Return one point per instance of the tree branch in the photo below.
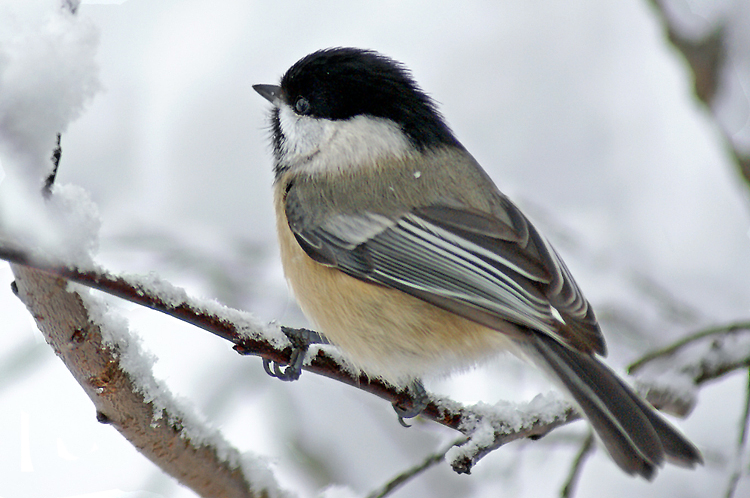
(706, 57)
(587, 449)
(486, 427)
(204, 463)
(249, 337)
(413, 472)
(670, 376)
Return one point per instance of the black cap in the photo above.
(341, 83)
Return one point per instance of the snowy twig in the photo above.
(670, 376)
(741, 443)
(686, 341)
(76, 336)
(587, 449)
(490, 427)
(485, 427)
(142, 291)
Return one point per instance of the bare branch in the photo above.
(413, 472)
(706, 57)
(76, 337)
(587, 449)
(50, 180)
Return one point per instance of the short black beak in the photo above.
(271, 93)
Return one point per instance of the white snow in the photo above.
(336, 491)
(503, 417)
(248, 324)
(47, 77)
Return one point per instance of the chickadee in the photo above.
(404, 253)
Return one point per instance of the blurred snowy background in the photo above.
(581, 111)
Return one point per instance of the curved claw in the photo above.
(419, 401)
(278, 372)
(401, 419)
(267, 367)
(293, 370)
(301, 340)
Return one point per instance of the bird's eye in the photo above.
(302, 106)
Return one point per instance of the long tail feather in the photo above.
(636, 436)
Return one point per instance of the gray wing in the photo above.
(485, 268)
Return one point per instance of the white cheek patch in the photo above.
(316, 145)
(303, 135)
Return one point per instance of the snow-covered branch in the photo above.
(670, 377)
(115, 374)
(486, 427)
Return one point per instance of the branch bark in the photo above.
(76, 337)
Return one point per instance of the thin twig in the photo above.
(587, 449)
(687, 340)
(714, 353)
(741, 442)
(415, 471)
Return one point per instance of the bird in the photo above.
(403, 252)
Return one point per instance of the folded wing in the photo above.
(489, 269)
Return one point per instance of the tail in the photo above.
(636, 436)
